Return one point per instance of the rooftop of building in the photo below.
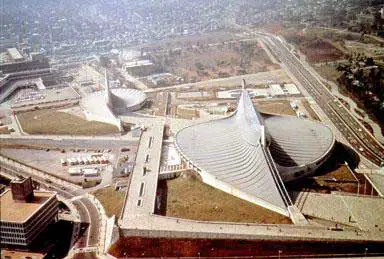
(15, 54)
(138, 63)
(15, 211)
(233, 151)
(243, 150)
(14, 254)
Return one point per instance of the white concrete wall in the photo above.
(110, 119)
(288, 173)
(110, 223)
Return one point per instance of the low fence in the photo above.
(110, 224)
(210, 235)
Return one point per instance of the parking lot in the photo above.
(72, 164)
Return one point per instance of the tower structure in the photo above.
(108, 98)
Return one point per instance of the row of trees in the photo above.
(365, 80)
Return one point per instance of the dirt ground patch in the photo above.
(334, 176)
(320, 51)
(111, 200)
(4, 130)
(204, 62)
(188, 197)
(329, 72)
(55, 122)
(367, 49)
(281, 107)
(340, 173)
(310, 111)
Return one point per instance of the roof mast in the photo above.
(108, 98)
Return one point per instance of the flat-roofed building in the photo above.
(23, 65)
(16, 254)
(15, 55)
(140, 67)
(25, 213)
(90, 172)
(276, 90)
(291, 89)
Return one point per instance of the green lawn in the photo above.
(281, 107)
(111, 200)
(61, 123)
(190, 198)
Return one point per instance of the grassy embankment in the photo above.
(61, 123)
(111, 200)
(188, 197)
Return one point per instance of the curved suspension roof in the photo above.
(297, 142)
(242, 149)
(231, 150)
(250, 123)
(126, 97)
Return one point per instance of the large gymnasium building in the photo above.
(250, 154)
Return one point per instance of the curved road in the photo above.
(88, 212)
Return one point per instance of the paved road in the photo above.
(269, 77)
(363, 212)
(353, 131)
(88, 212)
(94, 221)
(377, 180)
(66, 143)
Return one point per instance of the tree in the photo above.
(370, 62)
(105, 61)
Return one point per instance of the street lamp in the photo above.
(365, 252)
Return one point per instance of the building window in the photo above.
(141, 190)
